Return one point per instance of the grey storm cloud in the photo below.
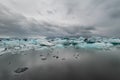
(14, 24)
(10, 23)
(59, 18)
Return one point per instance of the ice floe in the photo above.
(45, 43)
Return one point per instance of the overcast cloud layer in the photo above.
(28, 18)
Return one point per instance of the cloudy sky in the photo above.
(34, 18)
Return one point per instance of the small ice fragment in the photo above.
(20, 70)
(63, 58)
(41, 55)
(2, 49)
(43, 58)
(56, 56)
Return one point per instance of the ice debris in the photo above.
(20, 70)
(16, 44)
(43, 58)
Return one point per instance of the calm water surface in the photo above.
(61, 64)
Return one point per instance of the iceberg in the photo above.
(7, 45)
(114, 41)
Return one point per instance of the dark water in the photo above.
(61, 64)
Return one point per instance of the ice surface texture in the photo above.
(100, 43)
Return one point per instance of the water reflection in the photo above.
(61, 64)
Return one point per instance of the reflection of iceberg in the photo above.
(7, 45)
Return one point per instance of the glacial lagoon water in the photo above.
(60, 59)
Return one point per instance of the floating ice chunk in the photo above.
(41, 44)
(60, 41)
(90, 40)
(74, 43)
(17, 48)
(67, 43)
(95, 45)
(81, 38)
(45, 43)
(114, 41)
(58, 46)
(102, 45)
(43, 58)
(2, 49)
(20, 70)
(43, 48)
